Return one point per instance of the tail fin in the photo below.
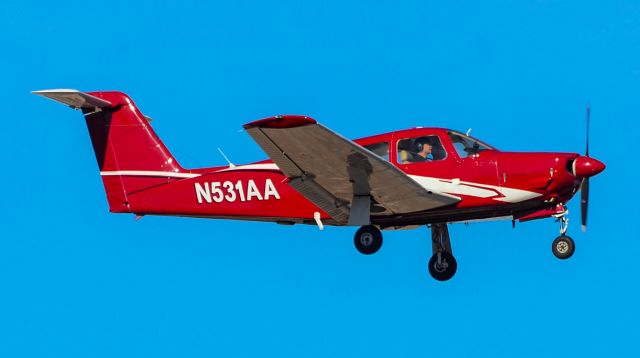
(130, 155)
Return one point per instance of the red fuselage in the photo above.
(491, 184)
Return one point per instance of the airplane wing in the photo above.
(336, 174)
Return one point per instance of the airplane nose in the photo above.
(584, 167)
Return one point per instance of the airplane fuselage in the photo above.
(491, 183)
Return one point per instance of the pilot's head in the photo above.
(423, 147)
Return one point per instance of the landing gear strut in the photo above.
(442, 265)
(563, 246)
(368, 239)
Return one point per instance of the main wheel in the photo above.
(563, 247)
(368, 239)
(442, 266)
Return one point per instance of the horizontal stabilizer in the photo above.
(74, 98)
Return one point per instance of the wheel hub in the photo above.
(441, 264)
(366, 239)
(562, 247)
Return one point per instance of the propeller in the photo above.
(584, 187)
(588, 120)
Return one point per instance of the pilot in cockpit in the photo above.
(423, 150)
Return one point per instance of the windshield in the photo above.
(466, 145)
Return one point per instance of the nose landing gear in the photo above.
(563, 246)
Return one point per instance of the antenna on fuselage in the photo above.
(231, 165)
(468, 132)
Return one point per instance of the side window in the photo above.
(381, 149)
(460, 148)
(420, 149)
(465, 145)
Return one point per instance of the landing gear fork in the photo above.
(442, 265)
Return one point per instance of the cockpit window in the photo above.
(466, 145)
(381, 149)
(420, 149)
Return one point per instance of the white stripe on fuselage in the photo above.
(149, 173)
(262, 166)
(458, 187)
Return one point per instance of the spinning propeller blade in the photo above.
(584, 187)
(584, 202)
(588, 120)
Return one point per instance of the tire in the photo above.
(368, 240)
(563, 247)
(447, 267)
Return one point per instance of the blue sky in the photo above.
(76, 281)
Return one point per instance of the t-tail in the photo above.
(130, 155)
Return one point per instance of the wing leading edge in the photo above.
(336, 174)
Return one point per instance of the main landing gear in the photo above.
(442, 265)
(563, 246)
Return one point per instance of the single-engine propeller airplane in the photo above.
(398, 180)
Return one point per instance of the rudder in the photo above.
(131, 157)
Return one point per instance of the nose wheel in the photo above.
(368, 240)
(563, 246)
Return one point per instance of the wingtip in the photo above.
(281, 122)
(55, 90)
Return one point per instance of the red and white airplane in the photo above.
(397, 180)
